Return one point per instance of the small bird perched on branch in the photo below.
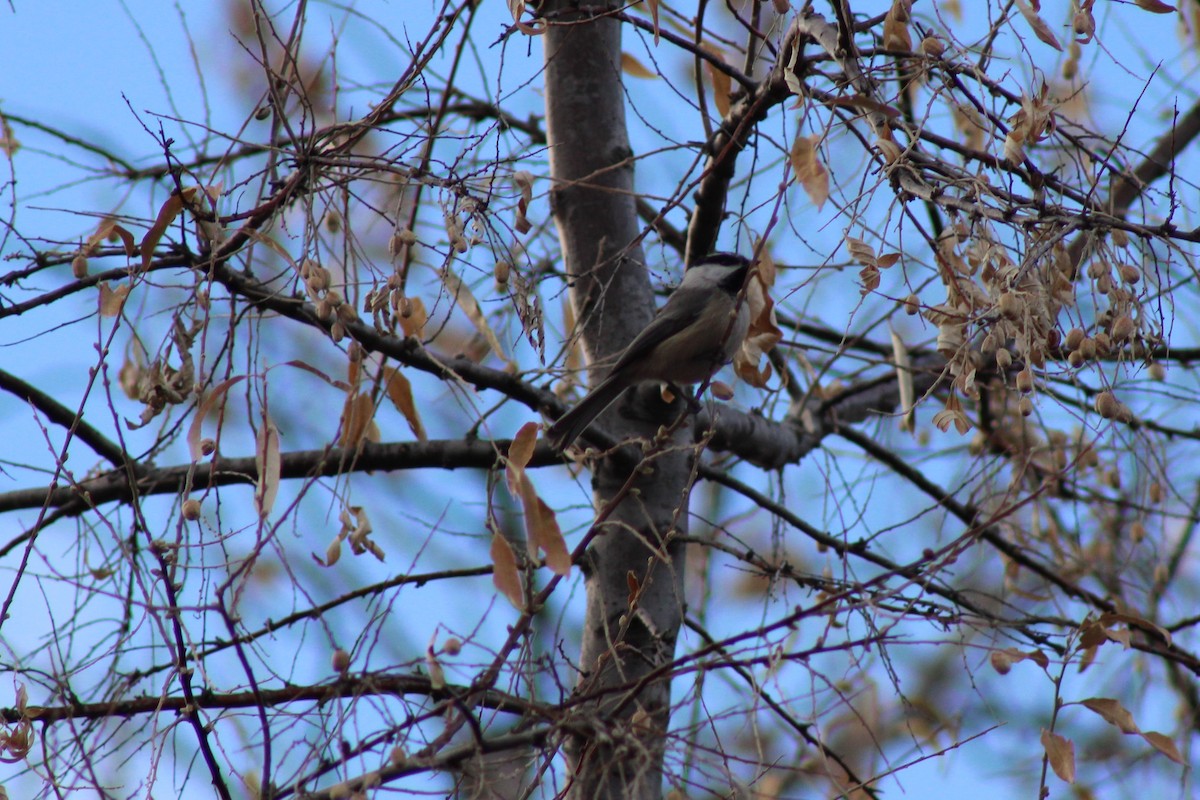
(693, 335)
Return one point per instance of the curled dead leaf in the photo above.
(112, 300)
(809, 170)
(399, 391)
(166, 215)
(523, 180)
(1040, 29)
(764, 332)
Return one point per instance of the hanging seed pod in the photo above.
(1107, 405)
(191, 509)
(1123, 328)
(1009, 305)
(932, 46)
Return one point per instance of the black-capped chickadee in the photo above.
(693, 335)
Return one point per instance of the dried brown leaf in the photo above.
(210, 402)
(809, 170)
(1113, 712)
(464, 298)
(1155, 6)
(764, 332)
(904, 380)
(357, 415)
(1132, 620)
(166, 215)
(112, 300)
(1165, 745)
(1040, 29)
(541, 525)
(634, 68)
(524, 183)
(1061, 753)
(953, 414)
(413, 317)
(107, 229)
(1003, 660)
(869, 278)
(267, 461)
(505, 576)
(9, 144)
(1087, 657)
(653, 6)
(721, 82)
(126, 239)
(523, 444)
(399, 391)
(1039, 658)
(337, 384)
(437, 676)
(860, 251)
(132, 368)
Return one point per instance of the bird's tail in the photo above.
(573, 423)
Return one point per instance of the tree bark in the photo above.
(633, 569)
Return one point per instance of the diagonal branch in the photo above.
(59, 414)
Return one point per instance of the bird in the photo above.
(694, 334)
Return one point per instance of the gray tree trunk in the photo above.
(617, 750)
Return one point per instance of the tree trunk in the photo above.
(634, 571)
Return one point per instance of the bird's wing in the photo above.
(660, 329)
